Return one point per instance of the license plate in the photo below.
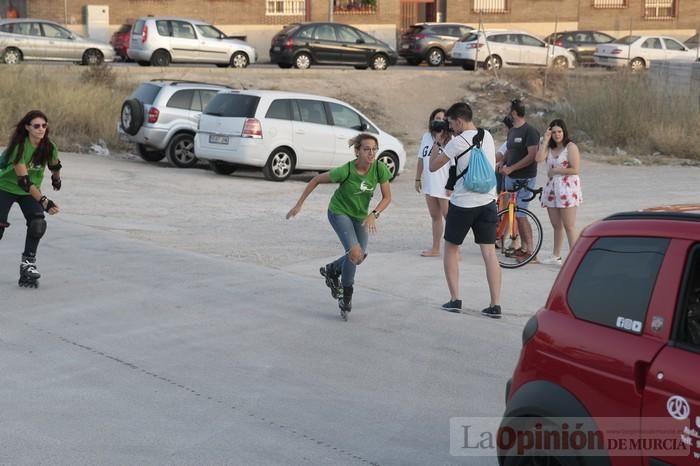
(405, 46)
(216, 139)
(276, 48)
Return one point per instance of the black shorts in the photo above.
(482, 220)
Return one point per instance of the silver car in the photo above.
(159, 41)
(38, 39)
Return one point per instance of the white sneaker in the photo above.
(553, 260)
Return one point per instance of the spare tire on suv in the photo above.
(131, 117)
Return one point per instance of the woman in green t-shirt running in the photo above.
(348, 212)
(22, 167)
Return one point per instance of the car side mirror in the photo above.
(364, 126)
(360, 41)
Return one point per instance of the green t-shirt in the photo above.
(8, 177)
(355, 191)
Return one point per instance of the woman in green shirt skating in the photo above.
(348, 212)
(22, 167)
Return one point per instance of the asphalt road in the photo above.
(181, 320)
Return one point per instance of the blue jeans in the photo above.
(350, 232)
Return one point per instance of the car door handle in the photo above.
(299, 132)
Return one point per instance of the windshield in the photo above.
(471, 37)
(209, 31)
(627, 40)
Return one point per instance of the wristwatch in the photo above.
(375, 213)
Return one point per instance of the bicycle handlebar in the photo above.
(522, 184)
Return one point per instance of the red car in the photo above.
(120, 41)
(616, 347)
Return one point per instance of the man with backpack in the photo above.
(472, 204)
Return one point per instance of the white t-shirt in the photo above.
(433, 182)
(503, 149)
(460, 196)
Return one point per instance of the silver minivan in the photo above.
(159, 41)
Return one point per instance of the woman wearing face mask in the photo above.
(562, 193)
(348, 213)
(22, 167)
(433, 183)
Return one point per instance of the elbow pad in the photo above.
(24, 183)
(56, 167)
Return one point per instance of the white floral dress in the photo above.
(561, 191)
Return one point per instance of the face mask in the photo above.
(508, 121)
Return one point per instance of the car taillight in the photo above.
(559, 43)
(153, 114)
(252, 129)
(616, 52)
(289, 43)
(419, 36)
(475, 45)
(144, 34)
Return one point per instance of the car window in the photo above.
(688, 326)
(472, 37)
(55, 32)
(181, 99)
(183, 30)
(324, 32)
(124, 28)
(345, 34)
(367, 38)
(499, 38)
(205, 97)
(146, 93)
(652, 43)
(627, 40)
(280, 109)
(582, 37)
(569, 38)
(208, 31)
(454, 31)
(20, 28)
(530, 41)
(439, 30)
(164, 28)
(138, 27)
(463, 30)
(673, 45)
(345, 117)
(306, 33)
(600, 38)
(233, 105)
(611, 265)
(312, 111)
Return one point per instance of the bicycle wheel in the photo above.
(508, 258)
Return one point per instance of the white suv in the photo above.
(160, 117)
(159, 41)
(495, 49)
(284, 132)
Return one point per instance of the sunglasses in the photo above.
(39, 125)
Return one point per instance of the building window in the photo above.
(660, 9)
(285, 7)
(355, 7)
(490, 6)
(609, 3)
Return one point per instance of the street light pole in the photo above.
(330, 10)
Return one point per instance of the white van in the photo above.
(284, 132)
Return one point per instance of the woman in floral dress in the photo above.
(562, 193)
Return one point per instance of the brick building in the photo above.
(260, 19)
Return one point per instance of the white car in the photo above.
(284, 132)
(637, 52)
(160, 41)
(495, 49)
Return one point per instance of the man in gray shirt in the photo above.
(520, 166)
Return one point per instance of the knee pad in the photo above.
(37, 227)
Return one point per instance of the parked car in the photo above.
(284, 132)
(693, 42)
(160, 41)
(431, 42)
(120, 41)
(495, 49)
(304, 44)
(38, 39)
(161, 116)
(581, 44)
(617, 344)
(637, 52)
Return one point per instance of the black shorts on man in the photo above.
(482, 220)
